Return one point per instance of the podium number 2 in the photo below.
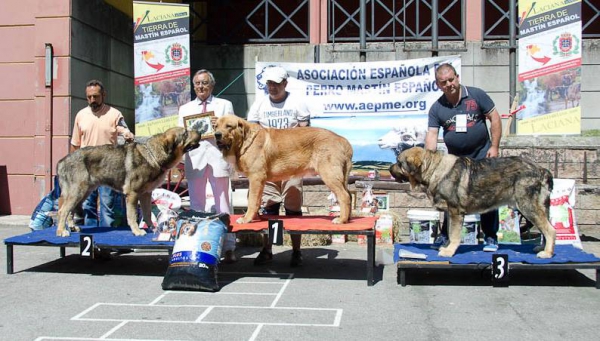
(86, 245)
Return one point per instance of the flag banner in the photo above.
(161, 47)
(549, 67)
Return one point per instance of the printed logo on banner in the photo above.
(262, 85)
(565, 45)
(176, 54)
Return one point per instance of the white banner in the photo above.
(378, 106)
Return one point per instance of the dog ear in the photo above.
(414, 160)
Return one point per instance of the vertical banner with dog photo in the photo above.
(380, 107)
(161, 47)
(562, 212)
(550, 45)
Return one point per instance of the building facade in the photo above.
(53, 47)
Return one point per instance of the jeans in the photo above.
(100, 216)
(489, 224)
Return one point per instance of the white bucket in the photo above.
(470, 229)
(423, 225)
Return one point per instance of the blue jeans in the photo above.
(100, 216)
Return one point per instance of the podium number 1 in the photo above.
(276, 232)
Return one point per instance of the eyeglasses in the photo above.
(205, 83)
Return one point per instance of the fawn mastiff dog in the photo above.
(279, 154)
(464, 186)
(134, 169)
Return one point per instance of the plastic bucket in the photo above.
(468, 234)
(423, 225)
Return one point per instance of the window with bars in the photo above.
(272, 21)
(249, 21)
(287, 21)
(395, 20)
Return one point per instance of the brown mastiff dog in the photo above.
(463, 186)
(279, 154)
(134, 169)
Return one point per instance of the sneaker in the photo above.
(440, 241)
(296, 260)
(229, 257)
(491, 245)
(264, 257)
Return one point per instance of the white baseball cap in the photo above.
(275, 74)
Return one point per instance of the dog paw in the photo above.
(242, 220)
(75, 229)
(544, 254)
(444, 252)
(337, 220)
(63, 233)
(139, 233)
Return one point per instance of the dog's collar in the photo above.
(154, 160)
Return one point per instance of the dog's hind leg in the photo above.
(454, 228)
(69, 202)
(538, 215)
(132, 200)
(534, 204)
(339, 188)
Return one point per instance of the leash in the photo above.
(230, 84)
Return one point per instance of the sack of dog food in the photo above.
(197, 251)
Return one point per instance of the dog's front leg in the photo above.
(132, 200)
(255, 191)
(454, 229)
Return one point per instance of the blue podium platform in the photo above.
(103, 237)
(566, 257)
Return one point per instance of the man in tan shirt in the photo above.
(98, 124)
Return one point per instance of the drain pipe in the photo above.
(512, 59)
(48, 115)
(363, 28)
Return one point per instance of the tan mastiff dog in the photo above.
(279, 154)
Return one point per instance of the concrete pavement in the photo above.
(49, 298)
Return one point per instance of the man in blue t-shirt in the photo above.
(462, 112)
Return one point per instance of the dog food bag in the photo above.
(196, 253)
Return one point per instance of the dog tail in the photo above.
(547, 181)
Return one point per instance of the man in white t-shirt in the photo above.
(281, 110)
(206, 162)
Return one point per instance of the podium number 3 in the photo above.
(500, 265)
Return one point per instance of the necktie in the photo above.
(203, 106)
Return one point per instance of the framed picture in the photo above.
(382, 200)
(200, 122)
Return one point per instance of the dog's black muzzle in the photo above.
(397, 173)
